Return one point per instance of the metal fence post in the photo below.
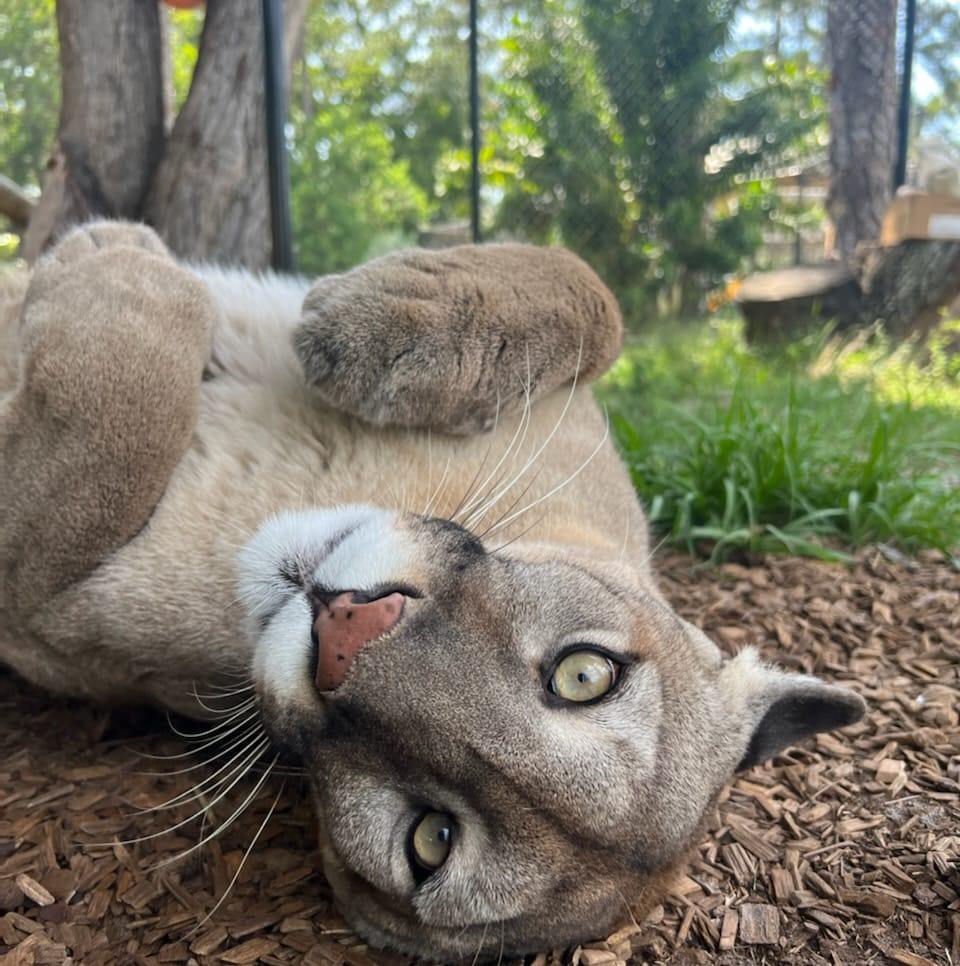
(274, 79)
(474, 126)
(906, 83)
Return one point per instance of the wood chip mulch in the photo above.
(842, 852)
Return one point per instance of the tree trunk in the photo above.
(210, 199)
(205, 187)
(906, 285)
(861, 40)
(111, 116)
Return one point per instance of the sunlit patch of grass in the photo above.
(813, 449)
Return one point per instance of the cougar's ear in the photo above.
(772, 710)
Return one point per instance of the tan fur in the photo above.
(131, 506)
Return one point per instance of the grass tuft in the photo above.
(814, 449)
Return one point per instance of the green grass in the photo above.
(815, 449)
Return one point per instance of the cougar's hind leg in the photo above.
(113, 337)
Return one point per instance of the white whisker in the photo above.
(206, 707)
(200, 788)
(244, 736)
(241, 770)
(532, 460)
(223, 826)
(243, 861)
(430, 503)
(483, 939)
(520, 535)
(513, 516)
(244, 709)
(519, 433)
(192, 752)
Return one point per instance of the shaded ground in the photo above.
(842, 852)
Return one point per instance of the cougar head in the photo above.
(504, 748)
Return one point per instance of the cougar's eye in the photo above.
(430, 842)
(583, 676)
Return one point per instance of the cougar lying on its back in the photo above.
(439, 588)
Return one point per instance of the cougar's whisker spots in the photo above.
(220, 829)
(243, 861)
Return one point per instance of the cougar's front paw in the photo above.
(94, 236)
(447, 340)
(111, 273)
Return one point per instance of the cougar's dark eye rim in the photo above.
(421, 865)
(618, 664)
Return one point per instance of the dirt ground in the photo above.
(845, 851)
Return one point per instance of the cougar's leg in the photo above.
(112, 340)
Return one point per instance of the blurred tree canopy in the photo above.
(644, 134)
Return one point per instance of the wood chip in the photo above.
(908, 958)
(728, 931)
(759, 924)
(249, 952)
(33, 890)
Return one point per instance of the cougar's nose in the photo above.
(343, 627)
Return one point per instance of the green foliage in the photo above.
(348, 191)
(366, 129)
(183, 39)
(810, 450)
(29, 88)
(623, 132)
(938, 39)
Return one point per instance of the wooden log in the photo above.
(788, 302)
(902, 286)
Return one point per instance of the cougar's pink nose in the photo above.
(343, 627)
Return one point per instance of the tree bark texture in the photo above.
(905, 286)
(210, 198)
(204, 187)
(861, 41)
(110, 135)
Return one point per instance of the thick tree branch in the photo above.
(111, 116)
(209, 197)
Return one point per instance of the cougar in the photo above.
(379, 516)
